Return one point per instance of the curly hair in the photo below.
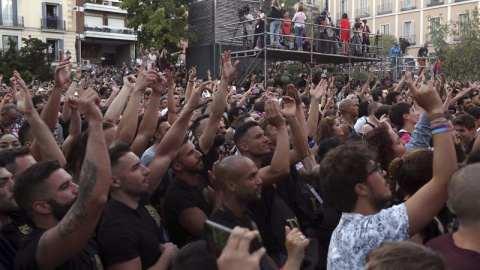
(325, 129)
(379, 139)
(411, 171)
(341, 170)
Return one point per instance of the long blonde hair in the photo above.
(276, 4)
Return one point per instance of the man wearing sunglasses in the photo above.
(356, 185)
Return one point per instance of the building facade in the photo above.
(102, 35)
(404, 18)
(51, 21)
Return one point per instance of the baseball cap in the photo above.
(324, 75)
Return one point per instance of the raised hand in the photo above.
(192, 73)
(408, 76)
(7, 98)
(295, 243)
(293, 93)
(24, 98)
(89, 103)
(73, 103)
(62, 72)
(145, 78)
(196, 101)
(273, 115)
(289, 107)
(129, 80)
(228, 70)
(428, 98)
(13, 83)
(318, 92)
(115, 88)
(160, 83)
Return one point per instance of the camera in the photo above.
(242, 10)
(206, 94)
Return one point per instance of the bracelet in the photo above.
(191, 81)
(439, 121)
(75, 79)
(436, 115)
(441, 130)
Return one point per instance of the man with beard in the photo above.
(128, 213)
(66, 214)
(14, 225)
(355, 184)
(209, 129)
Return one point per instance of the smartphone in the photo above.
(206, 94)
(217, 237)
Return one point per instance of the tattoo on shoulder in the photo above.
(42, 245)
(77, 215)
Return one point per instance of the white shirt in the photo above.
(357, 234)
(249, 24)
(151, 58)
(299, 19)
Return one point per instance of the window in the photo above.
(52, 16)
(6, 42)
(409, 32)
(385, 29)
(8, 13)
(463, 20)
(408, 4)
(54, 45)
(343, 6)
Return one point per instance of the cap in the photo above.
(324, 75)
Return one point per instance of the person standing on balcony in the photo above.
(365, 37)
(345, 33)
(286, 29)
(395, 54)
(299, 18)
(151, 57)
(276, 15)
(422, 57)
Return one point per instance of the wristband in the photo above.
(439, 121)
(441, 130)
(75, 79)
(191, 81)
(436, 115)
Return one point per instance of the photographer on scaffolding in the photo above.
(248, 26)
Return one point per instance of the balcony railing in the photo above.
(409, 4)
(363, 12)
(385, 8)
(114, 3)
(410, 39)
(108, 29)
(11, 21)
(53, 23)
(434, 2)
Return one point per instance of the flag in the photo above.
(437, 65)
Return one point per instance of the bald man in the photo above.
(349, 111)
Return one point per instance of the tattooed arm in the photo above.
(61, 243)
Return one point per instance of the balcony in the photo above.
(410, 39)
(52, 24)
(11, 21)
(431, 3)
(408, 5)
(104, 5)
(109, 32)
(384, 9)
(363, 12)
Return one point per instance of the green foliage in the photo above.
(30, 61)
(462, 58)
(385, 42)
(437, 35)
(160, 23)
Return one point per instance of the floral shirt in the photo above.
(356, 235)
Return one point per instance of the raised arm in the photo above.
(218, 105)
(298, 127)
(426, 202)
(70, 92)
(171, 106)
(75, 127)
(115, 110)
(365, 87)
(149, 121)
(128, 123)
(280, 166)
(65, 240)
(316, 95)
(192, 74)
(113, 95)
(47, 146)
(168, 148)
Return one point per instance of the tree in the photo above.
(30, 61)
(160, 23)
(385, 43)
(462, 58)
(437, 35)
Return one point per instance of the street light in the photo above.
(68, 53)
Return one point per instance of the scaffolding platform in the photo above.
(303, 56)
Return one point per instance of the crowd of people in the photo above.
(121, 168)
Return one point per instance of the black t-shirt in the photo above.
(299, 198)
(208, 161)
(87, 258)
(422, 52)
(179, 197)
(127, 233)
(11, 237)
